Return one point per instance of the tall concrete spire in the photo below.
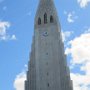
(48, 7)
(47, 67)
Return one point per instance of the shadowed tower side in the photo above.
(47, 68)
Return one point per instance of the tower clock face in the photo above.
(45, 34)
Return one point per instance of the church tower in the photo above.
(47, 68)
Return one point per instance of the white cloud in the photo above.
(66, 35)
(80, 82)
(80, 49)
(13, 37)
(83, 3)
(71, 17)
(3, 31)
(19, 81)
(26, 66)
(80, 53)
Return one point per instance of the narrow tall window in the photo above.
(51, 19)
(45, 18)
(48, 84)
(47, 73)
(46, 53)
(39, 21)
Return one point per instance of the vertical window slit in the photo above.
(45, 18)
(48, 84)
(51, 19)
(39, 21)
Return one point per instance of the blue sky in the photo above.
(16, 31)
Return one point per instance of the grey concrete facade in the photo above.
(47, 68)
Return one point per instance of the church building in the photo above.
(47, 67)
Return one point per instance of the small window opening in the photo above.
(47, 73)
(46, 53)
(48, 84)
(39, 21)
(51, 19)
(47, 63)
(45, 18)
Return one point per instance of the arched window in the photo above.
(39, 21)
(51, 19)
(45, 18)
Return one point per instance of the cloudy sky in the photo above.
(16, 31)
